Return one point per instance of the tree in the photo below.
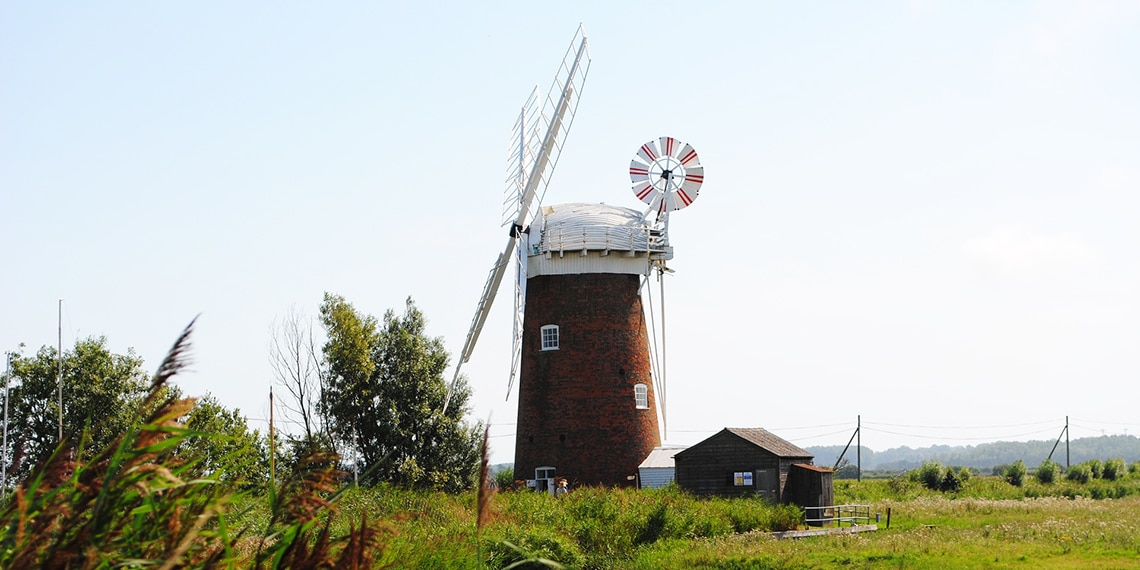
(1015, 473)
(383, 397)
(222, 443)
(297, 367)
(101, 393)
(1047, 472)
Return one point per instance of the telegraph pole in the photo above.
(60, 373)
(4, 449)
(1066, 443)
(272, 449)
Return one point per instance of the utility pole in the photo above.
(60, 373)
(4, 449)
(859, 448)
(272, 447)
(1066, 443)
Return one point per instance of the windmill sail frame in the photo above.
(557, 115)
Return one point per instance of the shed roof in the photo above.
(812, 468)
(660, 458)
(770, 441)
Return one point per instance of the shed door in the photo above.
(768, 484)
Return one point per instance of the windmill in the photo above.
(581, 351)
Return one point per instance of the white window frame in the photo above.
(641, 396)
(549, 336)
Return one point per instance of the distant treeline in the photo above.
(986, 455)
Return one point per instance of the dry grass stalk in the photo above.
(136, 503)
(486, 491)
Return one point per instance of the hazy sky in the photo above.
(924, 213)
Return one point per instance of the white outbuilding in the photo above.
(658, 469)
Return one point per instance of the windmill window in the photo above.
(550, 337)
(641, 396)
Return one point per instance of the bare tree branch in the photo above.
(296, 366)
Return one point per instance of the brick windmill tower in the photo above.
(588, 408)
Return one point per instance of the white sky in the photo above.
(924, 213)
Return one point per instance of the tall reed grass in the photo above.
(138, 504)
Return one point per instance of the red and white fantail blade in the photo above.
(645, 191)
(638, 171)
(688, 156)
(694, 177)
(648, 152)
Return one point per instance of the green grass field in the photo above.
(989, 524)
(139, 504)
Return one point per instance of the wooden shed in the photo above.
(811, 488)
(739, 462)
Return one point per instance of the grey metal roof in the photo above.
(769, 441)
(660, 458)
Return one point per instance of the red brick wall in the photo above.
(577, 411)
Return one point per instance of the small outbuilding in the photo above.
(811, 488)
(741, 462)
(658, 469)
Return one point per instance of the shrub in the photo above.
(1015, 474)
(785, 517)
(899, 486)
(930, 475)
(1096, 467)
(533, 548)
(1113, 470)
(951, 481)
(1081, 473)
(505, 478)
(747, 515)
(1047, 472)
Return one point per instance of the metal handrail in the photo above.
(853, 515)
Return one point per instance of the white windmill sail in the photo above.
(541, 155)
(522, 153)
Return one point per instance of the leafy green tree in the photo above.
(223, 445)
(1015, 474)
(1047, 472)
(383, 397)
(101, 393)
(1096, 467)
(1081, 473)
(930, 475)
(952, 481)
(1114, 469)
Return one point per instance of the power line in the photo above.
(816, 436)
(953, 438)
(1107, 423)
(958, 427)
